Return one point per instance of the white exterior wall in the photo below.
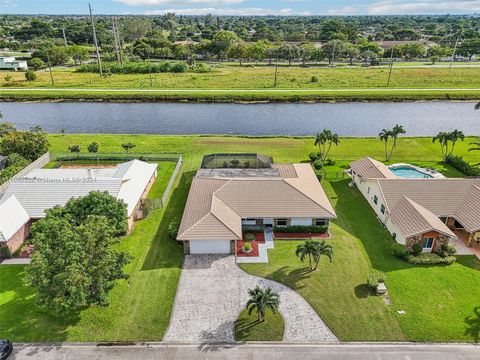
(209, 246)
(301, 222)
(374, 190)
(392, 228)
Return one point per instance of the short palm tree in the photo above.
(396, 131)
(262, 300)
(442, 138)
(313, 250)
(322, 139)
(384, 136)
(455, 135)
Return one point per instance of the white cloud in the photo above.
(178, 2)
(389, 7)
(7, 4)
(228, 11)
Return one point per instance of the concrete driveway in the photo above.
(213, 291)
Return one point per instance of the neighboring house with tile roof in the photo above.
(14, 223)
(221, 201)
(424, 211)
(43, 189)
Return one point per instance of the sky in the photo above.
(242, 7)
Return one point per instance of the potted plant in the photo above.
(247, 248)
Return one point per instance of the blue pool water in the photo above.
(408, 172)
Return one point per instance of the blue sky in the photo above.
(243, 7)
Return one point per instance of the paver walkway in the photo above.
(213, 291)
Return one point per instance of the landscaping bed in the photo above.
(291, 236)
(252, 253)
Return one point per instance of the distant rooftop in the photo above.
(236, 161)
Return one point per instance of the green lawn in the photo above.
(439, 301)
(248, 328)
(333, 84)
(140, 307)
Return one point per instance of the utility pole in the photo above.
(115, 37)
(391, 67)
(64, 37)
(333, 53)
(50, 68)
(95, 40)
(276, 71)
(454, 52)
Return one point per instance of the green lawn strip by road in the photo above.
(248, 328)
(140, 307)
(437, 299)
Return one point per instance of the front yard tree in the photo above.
(262, 300)
(29, 144)
(74, 267)
(128, 146)
(93, 147)
(313, 250)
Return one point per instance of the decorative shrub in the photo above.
(447, 250)
(318, 164)
(458, 163)
(313, 156)
(314, 79)
(5, 252)
(179, 67)
(430, 259)
(247, 246)
(30, 75)
(302, 229)
(173, 227)
(373, 280)
(417, 249)
(399, 250)
(250, 237)
(319, 174)
(201, 68)
(329, 162)
(135, 67)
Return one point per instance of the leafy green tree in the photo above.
(143, 50)
(334, 49)
(6, 128)
(36, 64)
(74, 149)
(222, 42)
(93, 147)
(257, 50)
(78, 53)
(128, 146)
(262, 300)
(306, 52)
(289, 52)
(30, 75)
(29, 144)
(74, 266)
(57, 54)
(238, 51)
(352, 52)
(163, 53)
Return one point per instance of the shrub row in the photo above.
(301, 229)
(136, 68)
(15, 163)
(458, 163)
(429, 259)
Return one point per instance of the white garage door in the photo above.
(209, 246)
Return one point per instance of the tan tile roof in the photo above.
(369, 168)
(215, 206)
(468, 212)
(413, 219)
(286, 170)
(440, 196)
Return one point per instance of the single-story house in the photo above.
(222, 201)
(14, 223)
(10, 63)
(424, 211)
(42, 189)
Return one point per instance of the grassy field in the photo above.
(140, 307)
(248, 328)
(439, 300)
(230, 83)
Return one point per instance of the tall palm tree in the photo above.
(333, 139)
(322, 139)
(313, 250)
(262, 300)
(396, 131)
(455, 135)
(442, 138)
(384, 136)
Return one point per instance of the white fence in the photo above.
(37, 164)
(172, 181)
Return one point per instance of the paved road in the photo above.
(213, 291)
(249, 351)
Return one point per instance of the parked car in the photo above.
(6, 348)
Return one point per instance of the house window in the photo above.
(320, 222)
(281, 222)
(382, 209)
(249, 219)
(427, 242)
(375, 199)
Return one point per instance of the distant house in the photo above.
(428, 211)
(248, 190)
(43, 189)
(388, 44)
(10, 63)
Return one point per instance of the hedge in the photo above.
(458, 163)
(429, 259)
(301, 229)
(135, 68)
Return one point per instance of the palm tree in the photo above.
(455, 135)
(323, 138)
(396, 131)
(313, 250)
(333, 139)
(384, 136)
(261, 300)
(442, 138)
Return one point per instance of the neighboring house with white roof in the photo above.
(42, 189)
(222, 201)
(14, 223)
(424, 211)
(10, 63)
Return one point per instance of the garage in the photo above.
(209, 246)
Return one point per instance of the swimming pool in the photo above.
(409, 172)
